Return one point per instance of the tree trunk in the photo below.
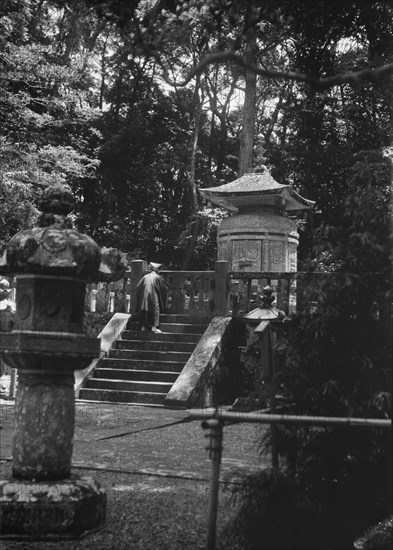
(194, 152)
(248, 129)
(195, 228)
(103, 75)
(221, 154)
(195, 222)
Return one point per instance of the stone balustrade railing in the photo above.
(189, 292)
(199, 292)
(218, 292)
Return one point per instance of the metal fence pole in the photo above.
(215, 449)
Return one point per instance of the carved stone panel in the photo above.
(277, 256)
(292, 251)
(246, 255)
(49, 304)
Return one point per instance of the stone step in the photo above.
(149, 355)
(142, 366)
(161, 337)
(118, 396)
(138, 364)
(171, 327)
(129, 385)
(136, 344)
(134, 326)
(184, 318)
(182, 328)
(129, 374)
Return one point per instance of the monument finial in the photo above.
(268, 297)
(55, 204)
(259, 169)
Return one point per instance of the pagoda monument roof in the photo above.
(257, 188)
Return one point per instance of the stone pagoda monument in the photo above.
(258, 236)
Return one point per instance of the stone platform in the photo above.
(50, 511)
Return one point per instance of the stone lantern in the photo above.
(264, 325)
(52, 264)
(259, 235)
(264, 328)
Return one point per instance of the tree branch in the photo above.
(319, 83)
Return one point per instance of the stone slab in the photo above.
(191, 381)
(108, 336)
(69, 508)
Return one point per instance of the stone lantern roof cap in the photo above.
(55, 248)
(266, 314)
(256, 188)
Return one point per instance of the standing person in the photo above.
(151, 294)
(7, 311)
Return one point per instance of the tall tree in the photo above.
(47, 119)
(249, 108)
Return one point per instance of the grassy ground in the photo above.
(143, 513)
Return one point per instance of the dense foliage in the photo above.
(336, 361)
(85, 99)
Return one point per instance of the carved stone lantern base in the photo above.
(51, 510)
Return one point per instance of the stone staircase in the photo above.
(142, 366)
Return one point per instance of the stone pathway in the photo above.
(131, 438)
(153, 465)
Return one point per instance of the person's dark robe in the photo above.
(151, 295)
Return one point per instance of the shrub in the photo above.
(379, 537)
(336, 361)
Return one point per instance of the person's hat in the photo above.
(154, 265)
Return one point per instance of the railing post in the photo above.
(124, 305)
(180, 294)
(93, 300)
(138, 267)
(111, 305)
(221, 290)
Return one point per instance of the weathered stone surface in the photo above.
(44, 426)
(259, 241)
(50, 304)
(258, 187)
(51, 250)
(194, 376)
(48, 326)
(259, 237)
(52, 263)
(113, 265)
(55, 248)
(108, 336)
(56, 199)
(50, 510)
(43, 350)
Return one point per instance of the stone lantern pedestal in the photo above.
(52, 263)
